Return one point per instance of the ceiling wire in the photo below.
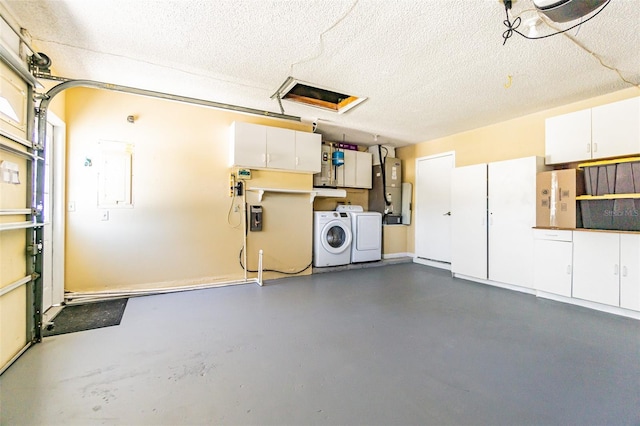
(322, 34)
(578, 43)
(594, 54)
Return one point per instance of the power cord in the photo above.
(272, 270)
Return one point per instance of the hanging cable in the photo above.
(512, 27)
(233, 201)
(272, 270)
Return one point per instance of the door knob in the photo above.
(447, 214)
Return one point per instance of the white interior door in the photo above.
(54, 211)
(47, 251)
(433, 207)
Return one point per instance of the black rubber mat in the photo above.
(87, 317)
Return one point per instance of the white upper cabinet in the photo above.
(265, 147)
(248, 145)
(364, 170)
(611, 130)
(308, 152)
(568, 137)
(356, 171)
(615, 129)
(281, 148)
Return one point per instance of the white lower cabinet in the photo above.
(553, 260)
(630, 271)
(607, 268)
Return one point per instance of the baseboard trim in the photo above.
(433, 263)
(396, 255)
(614, 310)
(497, 284)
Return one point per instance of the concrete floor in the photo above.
(396, 345)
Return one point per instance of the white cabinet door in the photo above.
(248, 145)
(364, 166)
(616, 129)
(630, 271)
(281, 148)
(308, 155)
(596, 257)
(346, 174)
(469, 221)
(568, 137)
(512, 215)
(356, 171)
(552, 259)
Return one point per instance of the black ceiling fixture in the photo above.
(557, 11)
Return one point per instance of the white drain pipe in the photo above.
(260, 267)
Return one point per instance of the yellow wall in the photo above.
(182, 228)
(519, 137)
(355, 196)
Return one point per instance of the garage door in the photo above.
(20, 232)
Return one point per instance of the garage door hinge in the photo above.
(34, 249)
(35, 276)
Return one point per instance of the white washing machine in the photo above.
(331, 239)
(367, 234)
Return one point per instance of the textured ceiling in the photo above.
(429, 68)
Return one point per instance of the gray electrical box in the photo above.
(255, 218)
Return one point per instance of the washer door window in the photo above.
(336, 237)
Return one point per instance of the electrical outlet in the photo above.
(104, 215)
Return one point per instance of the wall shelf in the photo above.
(316, 192)
(607, 197)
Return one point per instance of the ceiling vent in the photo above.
(315, 96)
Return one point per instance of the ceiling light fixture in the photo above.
(557, 11)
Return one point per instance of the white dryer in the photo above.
(331, 238)
(367, 234)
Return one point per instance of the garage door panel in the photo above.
(13, 323)
(13, 247)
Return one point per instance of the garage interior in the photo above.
(127, 176)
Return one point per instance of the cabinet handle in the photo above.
(568, 269)
(588, 148)
(268, 158)
(624, 271)
(615, 269)
(297, 161)
(595, 147)
(264, 158)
